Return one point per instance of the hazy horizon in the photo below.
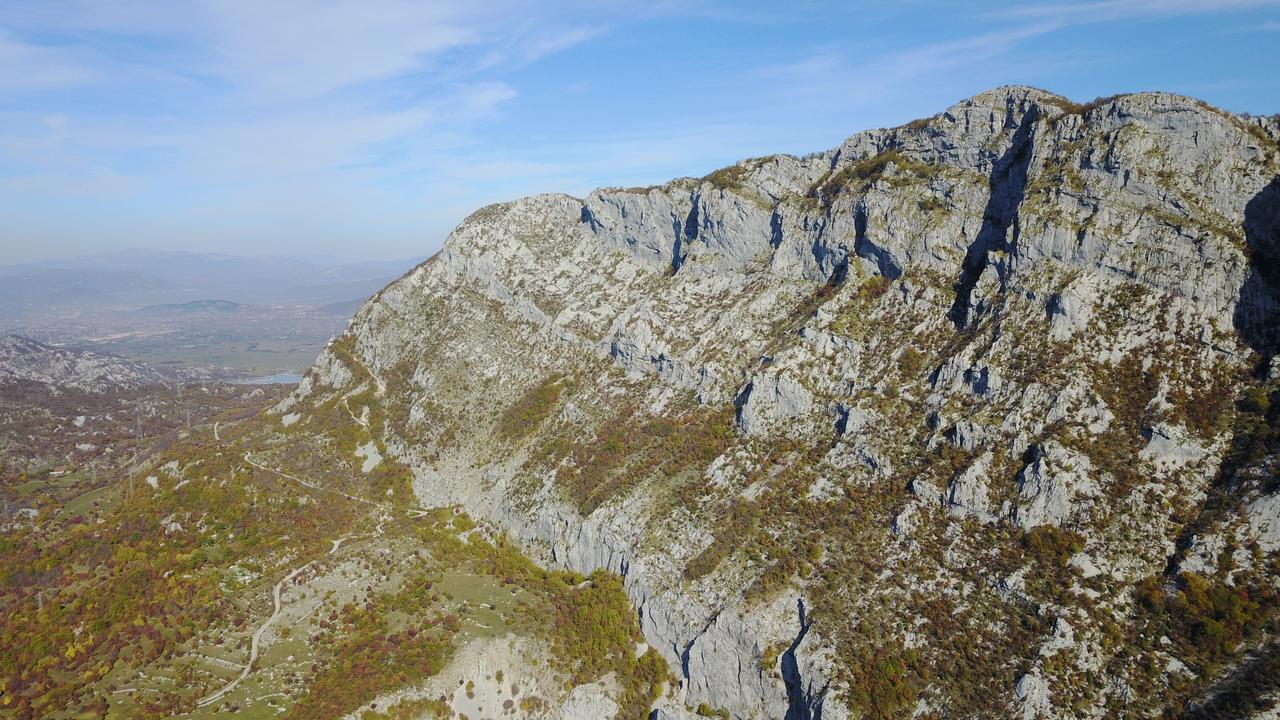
(318, 259)
(368, 131)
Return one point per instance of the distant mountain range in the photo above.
(221, 308)
(60, 286)
(134, 279)
(345, 308)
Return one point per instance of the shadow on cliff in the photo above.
(801, 701)
(1257, 315)
(1008, 184)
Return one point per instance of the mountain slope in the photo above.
(942, 420)
(23, 359)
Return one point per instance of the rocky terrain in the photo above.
(973, 417)
(26, 360)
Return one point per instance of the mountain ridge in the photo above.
(934, 421)
(195, 307)
(23, 359)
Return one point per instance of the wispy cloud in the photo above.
(1008, 30)
(29, 67)
(925, 59)
(274, 90)
(390, 118)
(1112, 10)
(877, 74)
(91, 182)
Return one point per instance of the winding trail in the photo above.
(321, 488)
(359, 421)
(255, 642)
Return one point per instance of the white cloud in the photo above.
(294, 50)
(1110, 10)
(288, 49)
(275, 90)
(541, 45)
(244, 118)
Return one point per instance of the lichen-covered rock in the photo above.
(1263, 516)
(968, 493)
(589, 702)
(1168, 445)
(1033, 693)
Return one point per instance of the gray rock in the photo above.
(23, 359)
(588, 702)
(770, 399)
(1263, 517)
(1032, 693)
(1029, 249)
(907, 520)
(1202, 556)
(968, 494)
(1056, 485)
(1070, 310)
(650, 224)
(1171, 446)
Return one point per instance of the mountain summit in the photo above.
(970, 417)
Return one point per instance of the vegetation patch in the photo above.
(530, 409)
(634, 446)
(1081, 109)
(363, 656)
(860, 175)
(1207, 619)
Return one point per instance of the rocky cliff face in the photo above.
(942, 421)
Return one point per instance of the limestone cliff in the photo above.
(942, 421)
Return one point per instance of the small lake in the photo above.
(277, 379)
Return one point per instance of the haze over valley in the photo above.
(231, 316)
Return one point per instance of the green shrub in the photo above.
(728, 178)
(863, 173)
(881, 682)
(631, 447)
(1207, 619)
(705, 710)
(1052, 546)
(731, 533)
(530, 409)
(1255, 400)
(1075, 108)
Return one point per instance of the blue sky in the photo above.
(363, 129)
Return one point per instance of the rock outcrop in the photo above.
(743, 393)
(23, 359)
